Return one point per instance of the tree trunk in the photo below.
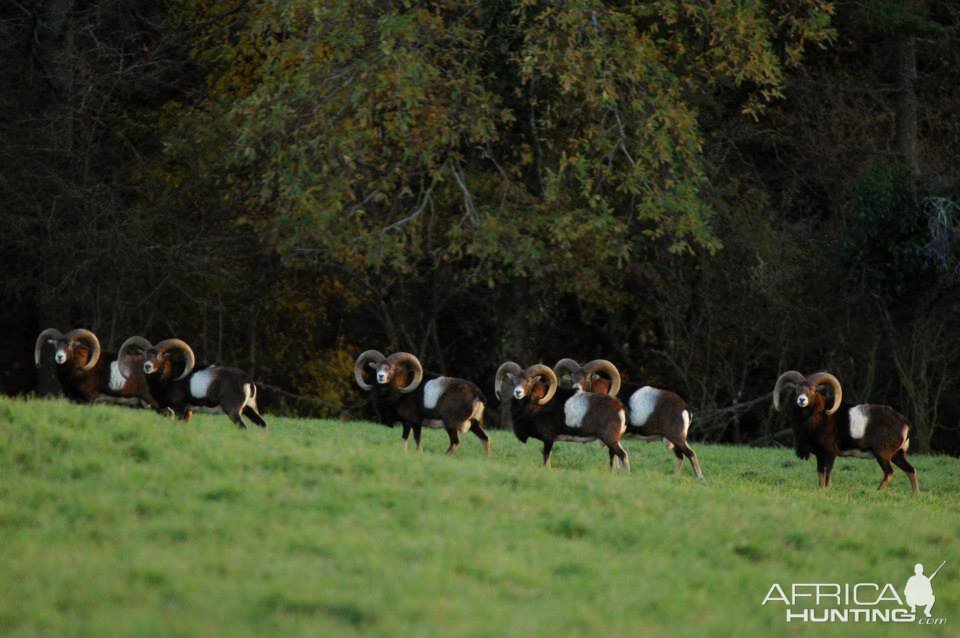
(906, 134)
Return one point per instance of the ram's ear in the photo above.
(595, 376)
(52, 342)
(372, 364)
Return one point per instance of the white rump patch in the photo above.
(116, 378)
(686, 422)
(433, 390)
(623, 421)
(905, 433)
(858, 421)
(575, 409)
(642, 404)
(477, 414)
(249, 396)
(200, 382)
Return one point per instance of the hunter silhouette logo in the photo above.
(919, 592)
(859, 602)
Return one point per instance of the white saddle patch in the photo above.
(858, 421)
(642, 404)
(575, 409)
(116, 378)
(200, 382)
(433, 390)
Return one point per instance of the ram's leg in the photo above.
(477, 429)
(234, 415)
(547, 450)
(618, 456)
(254, 416)
(887, 472)
(821, 471)
(692, 456)
(678, 466)
(417, 432)
(828, 470)
(622, 455)
(900, 458)
(454, 440)
(405, 435)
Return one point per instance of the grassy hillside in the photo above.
(118, 522)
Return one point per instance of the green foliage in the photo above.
(378, 136)
(892, 17)
(886, 229)
(118, 522)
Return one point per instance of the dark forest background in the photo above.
(706, 193)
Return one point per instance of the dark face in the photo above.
(385, 371)
(589, 383)
(65, 350)
(594, 382)
(806, 395)
(156, 362)
(524, 386)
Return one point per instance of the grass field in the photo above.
(117, 522)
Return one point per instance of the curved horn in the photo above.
(602, 365)
(138, 341)
(791, 379)
(182, 346)
(366, 356)
(825, 378)
(82, 334)
(565, 365)
(49, 333)
(540, 370)
(510, 367)
(406, 357)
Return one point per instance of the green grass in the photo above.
(117, 522)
